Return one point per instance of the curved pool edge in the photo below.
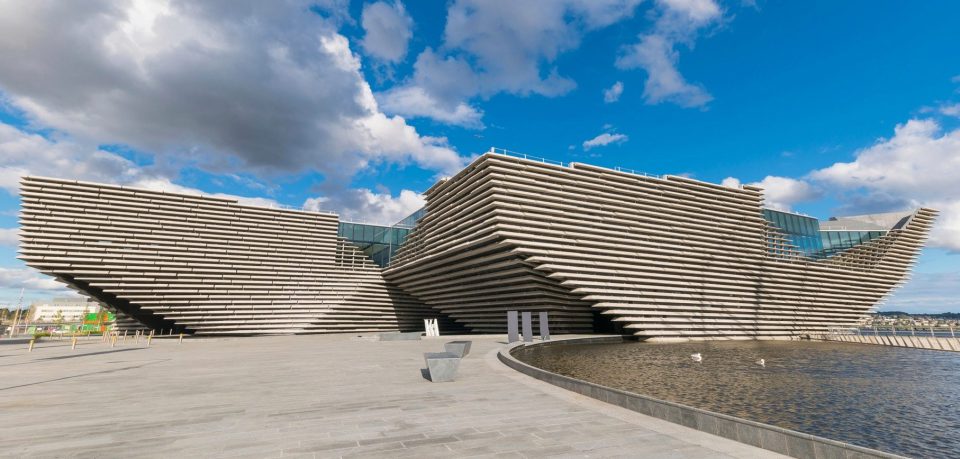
(765, 436)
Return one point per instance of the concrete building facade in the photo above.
(663, 258)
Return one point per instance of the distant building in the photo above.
(72, 309)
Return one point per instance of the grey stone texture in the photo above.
(526, 324)
(545, 325)
(460, 348)
(442, 366)
(400, 336)
(315, 396)
(513, 327)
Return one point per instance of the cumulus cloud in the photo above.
(494, 46)
(24, 153)
(780, 193)
(230, 85)
(365, 205)
(783, 192)
(678, 22)
(604, 139)
(387, 30)
(918, 166)
(415, 101)
(612, 94)
(731, 182)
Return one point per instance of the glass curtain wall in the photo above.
(802, 231)
(380, 243)
(837, 241)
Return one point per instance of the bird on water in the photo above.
(696, 357)
(762, 363)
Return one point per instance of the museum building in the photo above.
(602, 250)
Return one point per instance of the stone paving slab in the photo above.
(309, 396)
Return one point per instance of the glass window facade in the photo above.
(804, 233)
(838, 241)
(380, 243)
(412, 219)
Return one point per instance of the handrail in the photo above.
(514, 154)
(635, 172)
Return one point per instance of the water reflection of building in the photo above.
(660, 257)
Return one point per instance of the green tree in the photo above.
(58, 318)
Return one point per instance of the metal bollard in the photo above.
(181, 339)
(124, 336)
(73, 345)
(30, 348)
(148, 339)
(113, 340)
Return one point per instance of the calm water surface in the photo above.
(905, 401)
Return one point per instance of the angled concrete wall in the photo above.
(663, 257)
(207, 265)
(667, 258)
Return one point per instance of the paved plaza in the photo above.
(309, 396)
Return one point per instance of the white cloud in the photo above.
(414, 101)
(604, 139)
(918, 166)
(731, 182)
(30, 280)
(365, 205)
(229, 86)
(23, 153)
(780, 193)
(495, 46)
(678, 22)
(612, 94)
(783, 192)
(919, 161)
(950, 109)
(163, 184)
(387, 30)
(9, 236)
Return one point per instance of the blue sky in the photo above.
(833, 107)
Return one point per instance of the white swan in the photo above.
(696, 357)
(762, 363)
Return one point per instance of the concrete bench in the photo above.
(398, 336)
(442, 366)
(460, 348)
